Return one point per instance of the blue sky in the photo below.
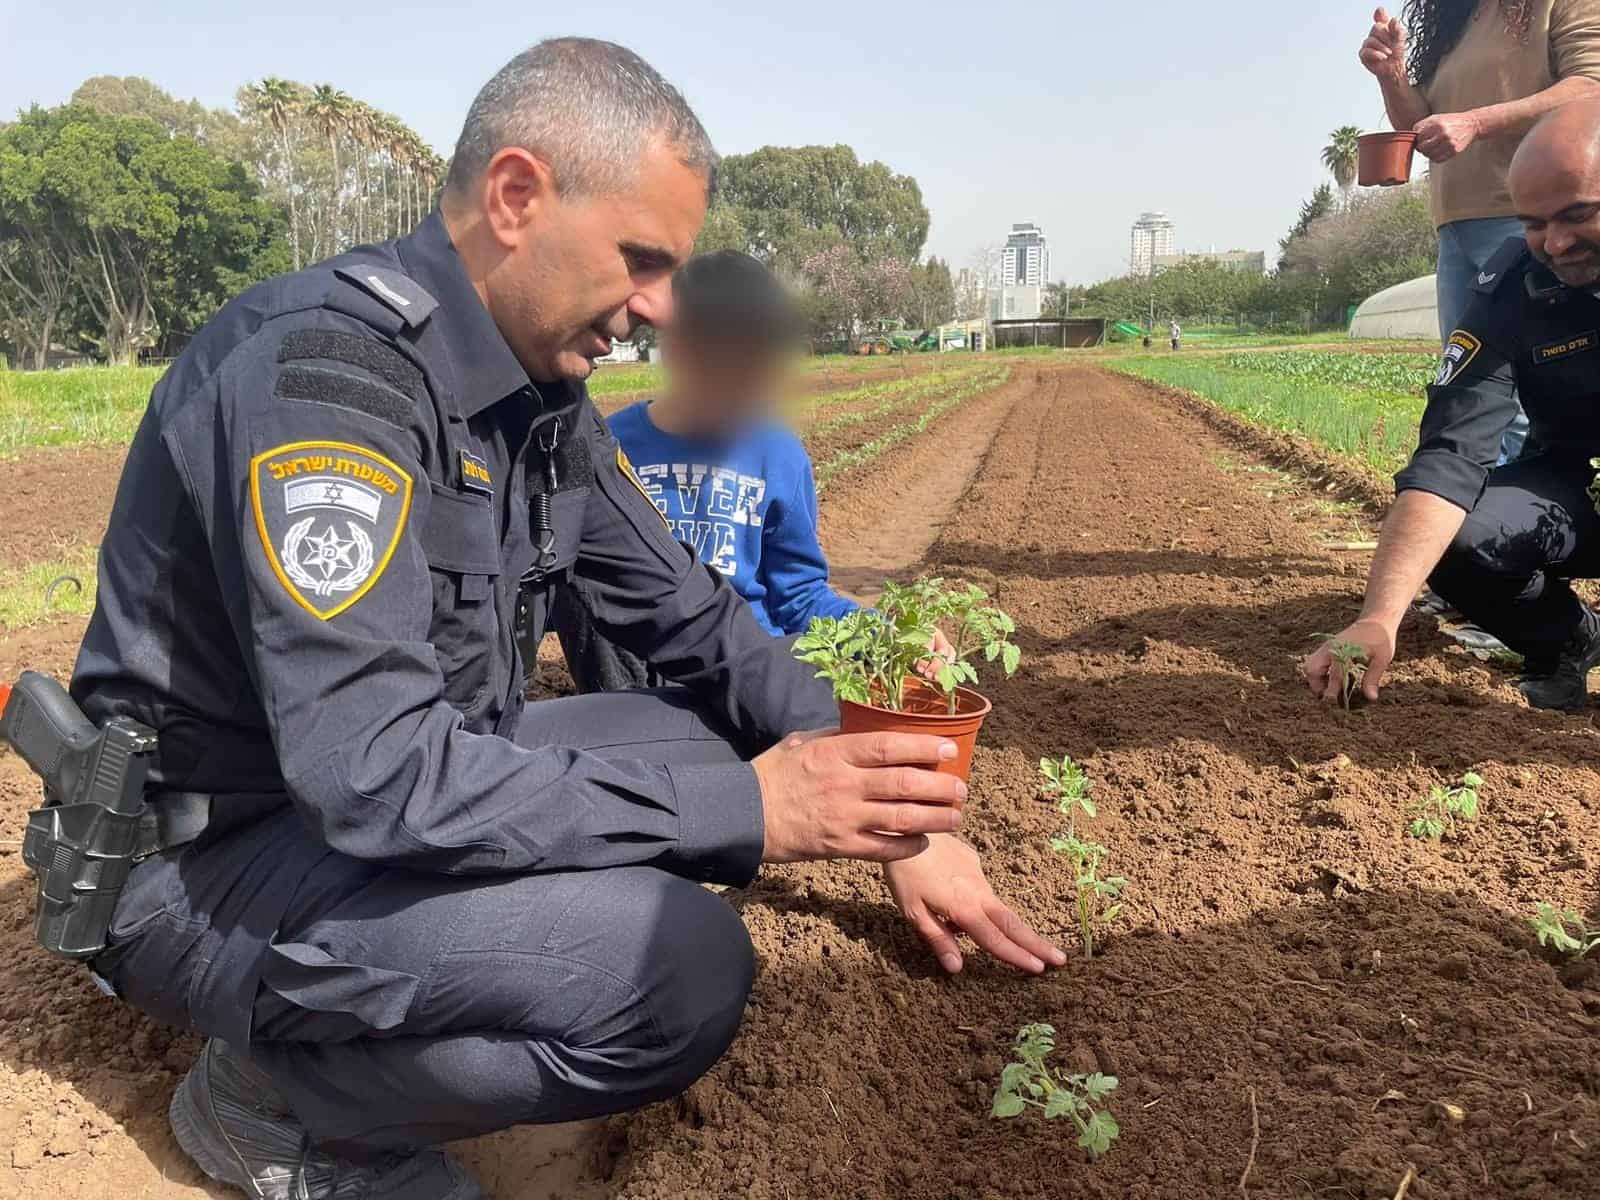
(1075, 115)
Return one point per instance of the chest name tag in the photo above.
(1459, 351)
(475, 474)
(1580, 344)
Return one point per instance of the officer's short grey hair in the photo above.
(587, 107)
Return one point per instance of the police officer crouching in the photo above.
(405, 906)
(1501, 543)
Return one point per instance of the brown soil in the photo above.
(54, 500)
(1285, 948)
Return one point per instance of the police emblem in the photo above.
(329, 515)
(1460, 350)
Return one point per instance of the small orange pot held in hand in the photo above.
(1385, 158)
(926, 711)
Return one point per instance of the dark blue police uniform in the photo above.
(428, 909)
(1531, 525)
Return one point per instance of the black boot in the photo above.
(229, 1119)
(1566, 686)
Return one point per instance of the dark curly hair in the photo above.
(1436, 26)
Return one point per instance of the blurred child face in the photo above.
(721, 385)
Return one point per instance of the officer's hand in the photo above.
(1384, 51)
(943, 893)
(1445, 135)
(872, 796)
(1325, 675)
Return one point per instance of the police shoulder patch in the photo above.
(1459, 351)
(625, 465)
(329, 515)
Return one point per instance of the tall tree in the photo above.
(329, 109)
(795, 202)
(278, 102)
(1341, 156)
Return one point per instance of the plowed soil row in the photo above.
(1301, 1001)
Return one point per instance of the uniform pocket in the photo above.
(462, 547)
(321, 998)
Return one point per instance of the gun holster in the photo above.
(95, 822)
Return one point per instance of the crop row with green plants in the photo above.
(912, 392)
(1375, 425)
(858, 456)
(1399, 374)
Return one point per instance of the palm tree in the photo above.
(1342, 156)
(330, 108)
(278, 101)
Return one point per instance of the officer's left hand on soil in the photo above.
(872, 796)
(943, 892)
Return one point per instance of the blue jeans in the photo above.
(1465, 247)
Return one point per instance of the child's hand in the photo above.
(940, 651)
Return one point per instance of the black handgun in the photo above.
(82, 843)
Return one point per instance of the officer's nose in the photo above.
(1558, 240)
(652, 305)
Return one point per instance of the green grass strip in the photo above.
(1373, 426)
(23, 589)
(78, 407)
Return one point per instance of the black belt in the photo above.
(173, 819)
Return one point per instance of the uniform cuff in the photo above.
(721, 834)
(1448, 476)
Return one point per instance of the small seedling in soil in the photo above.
(1352, 660)
(1436, 817)
(1099, 898)
(1068, 785)
(1029, 1082)
(1564, 930)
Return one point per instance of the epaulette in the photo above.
(386, 299)
(1502, 265)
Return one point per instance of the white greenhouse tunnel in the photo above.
(1408, 311)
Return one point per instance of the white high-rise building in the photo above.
(1024, 271)
(1152, 239)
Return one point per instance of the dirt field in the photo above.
(1301, 1001)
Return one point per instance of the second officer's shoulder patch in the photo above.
(1459, 351)
(329, 515)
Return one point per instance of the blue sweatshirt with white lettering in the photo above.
(748, 506)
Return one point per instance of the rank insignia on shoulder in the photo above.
(475, 474)
(1460, 350)
(1580, 343)
(329, 515)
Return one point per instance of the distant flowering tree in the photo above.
(844, 295)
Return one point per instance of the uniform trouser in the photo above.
(399, 1009)
(1533, 529)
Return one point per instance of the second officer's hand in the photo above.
(1325, 676)
(872, 796)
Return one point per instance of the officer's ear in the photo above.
(517, 188)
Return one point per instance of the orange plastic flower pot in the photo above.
(1385, 158)
(926, 711)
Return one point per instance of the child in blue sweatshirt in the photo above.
(732, 481)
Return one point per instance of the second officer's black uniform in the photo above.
(1531, 525)
(428, 910)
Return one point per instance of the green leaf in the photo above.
(1006, 1106)
(1097, 1086)
(1012, 659)
(1061, 1102)
(1100, 1131)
